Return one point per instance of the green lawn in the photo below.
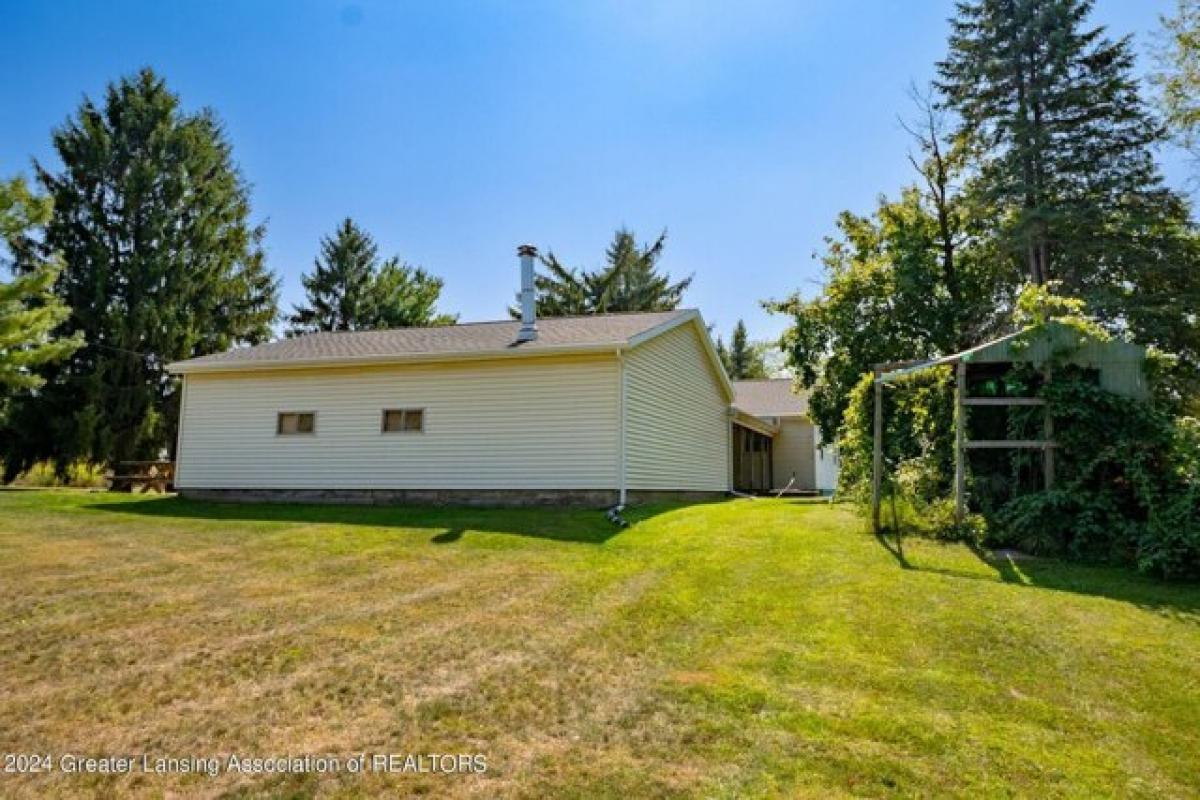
(746, 648)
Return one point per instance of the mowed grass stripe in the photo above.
(744, 648)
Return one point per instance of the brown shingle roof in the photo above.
(771, 397)
(470, 339)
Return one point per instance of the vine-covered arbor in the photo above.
(1117, 366)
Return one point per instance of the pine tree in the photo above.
(160, 263)
(723, 356)
(565, 292)
(29, 311)
(1053, 109)
(745, 358)
(628, 281)
(1062, 144)
(340, 290)
(634, 282)
(407, 296)
(349, 290)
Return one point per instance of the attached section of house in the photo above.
(776, 446)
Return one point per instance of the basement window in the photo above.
(293, 423)
(403, 420)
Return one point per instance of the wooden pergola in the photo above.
(1119, 367)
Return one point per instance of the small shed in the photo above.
(1118, 367)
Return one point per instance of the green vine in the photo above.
(1127, 471)
(1123, 491)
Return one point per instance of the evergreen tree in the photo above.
(634, 282)
(565, 292)
(1179, 81)
(340, 289)
(350, 290)
(29, 311)
(1061, 132)
(628, 281)
(407, 297)
(160, 263)
(1062, 144)
(723, 356)
(745, 359)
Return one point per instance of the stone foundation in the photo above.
(494, 498)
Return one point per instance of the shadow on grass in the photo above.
(1180, 600)
(805, 500)
(894, 548)
(585, 526)
(1177, 600)
(448, 536)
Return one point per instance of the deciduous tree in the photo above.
(921, 276)
(29, 310)
(1178, 77)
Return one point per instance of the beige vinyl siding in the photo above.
(676, 416)
(540, 423)
(794, 454)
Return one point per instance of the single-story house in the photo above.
(594, 410)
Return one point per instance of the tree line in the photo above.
(1033, 158)
(141, 250)
(1035, 197)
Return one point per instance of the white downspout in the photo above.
(729, 413)
(624, 393)
(179, 429)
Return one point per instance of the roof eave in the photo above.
(779, 414)
(191, 367)
(755, 422)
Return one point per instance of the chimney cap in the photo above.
(527, 250)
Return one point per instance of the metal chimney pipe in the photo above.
(529, 330)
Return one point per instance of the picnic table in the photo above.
(149, 475)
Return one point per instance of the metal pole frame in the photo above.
(877, 462)
(960, 442)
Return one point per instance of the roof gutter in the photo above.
(754, 423)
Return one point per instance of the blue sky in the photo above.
(454, 131)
